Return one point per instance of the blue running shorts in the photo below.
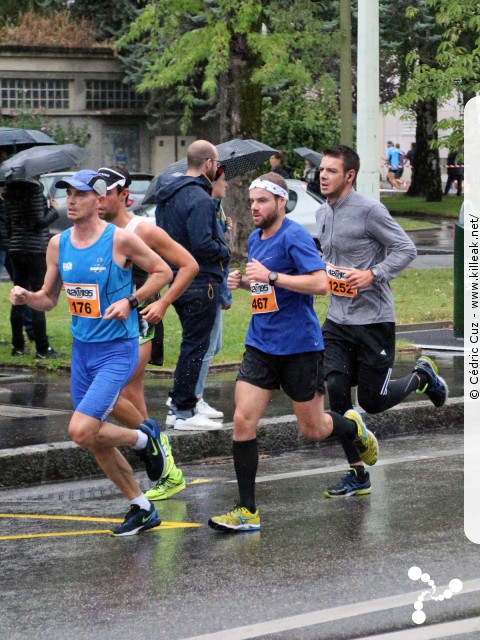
(100, 370)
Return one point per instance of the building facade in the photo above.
(85, 87)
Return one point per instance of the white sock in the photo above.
(142, 440)
(141, 502)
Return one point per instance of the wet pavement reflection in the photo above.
(436, 239)
(50, 394)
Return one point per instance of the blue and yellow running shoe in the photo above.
(238, 519)
(137, 520)
(351, 484)
(365, 443)
(436, 388)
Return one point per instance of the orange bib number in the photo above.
(83, 300)
(263, 298)
(336, 282)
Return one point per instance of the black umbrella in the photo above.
(236, 156)
(308, 154)
(12, 137)
(38, 160)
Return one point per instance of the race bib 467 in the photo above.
(263, 298)
(83, 300)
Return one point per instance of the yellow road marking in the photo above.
(200, 481)
(44, 517)
(28, 516)
(52, 535)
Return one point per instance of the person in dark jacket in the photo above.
(28, 217)
(454, 171)
(3, 234)
(277, 162)
(188, 214)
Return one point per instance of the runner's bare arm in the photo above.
(47, 297)
(129, 248)
(158, 240)
(314, 283)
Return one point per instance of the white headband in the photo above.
(260, 183)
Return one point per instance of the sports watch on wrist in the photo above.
(132, 301)
(272, 278)
(375, 272)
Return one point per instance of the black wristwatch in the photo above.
(375, 273)
(132, 301)
(272, 278)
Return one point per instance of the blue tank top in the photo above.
(93, 281)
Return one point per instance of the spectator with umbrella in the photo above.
(277, 162)
(28, 216)
(311, 175)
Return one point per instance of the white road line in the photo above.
(444, 630)
(341, 467)
(338, 613)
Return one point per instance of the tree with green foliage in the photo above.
(453, 69)
(221, 55)
(236, 61)
(411, 36)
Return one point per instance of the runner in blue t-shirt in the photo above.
(394, 158)
(284, 344)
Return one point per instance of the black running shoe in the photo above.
(154, 455)
(436, 388)
(49, 354)
(137, 520)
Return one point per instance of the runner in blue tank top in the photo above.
(93, 261)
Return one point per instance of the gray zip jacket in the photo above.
(359, 232)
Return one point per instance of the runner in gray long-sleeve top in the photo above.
(363, 249)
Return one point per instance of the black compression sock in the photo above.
(245, 460)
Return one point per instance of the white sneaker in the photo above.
(204, 409)
(169, 401)
(171, 418)
(197, 423)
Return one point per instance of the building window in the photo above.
(111, 94)
(34, 94)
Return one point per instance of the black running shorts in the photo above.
(300, 375)
(363, 352)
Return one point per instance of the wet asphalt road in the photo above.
(37, 409)
(319, 569)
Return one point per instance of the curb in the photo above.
(66, 461)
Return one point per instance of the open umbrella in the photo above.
(308, 154)
(13, 137)
(236, 156)
(42, 159)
